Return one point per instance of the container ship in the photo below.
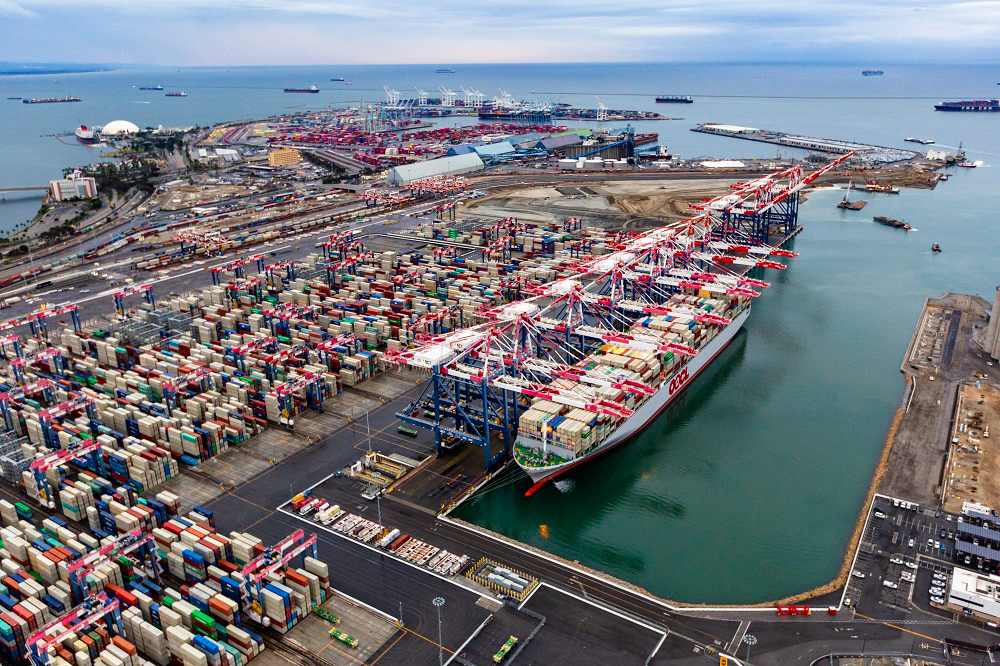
(85, 135)
(310, 89)
(975, 105)
(150, 87)
(552, 439)
(176, 94)
(674, 99)
(872, 72)
(512, 116)
(50, 100)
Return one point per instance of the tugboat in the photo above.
(935, 248)
(889, 222)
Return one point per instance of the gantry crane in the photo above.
(271, 560)
(483, 376)
(236, 266)
(145, 289)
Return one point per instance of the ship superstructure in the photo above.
(591, 358)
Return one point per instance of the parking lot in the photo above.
(903, 546)
(905, 560)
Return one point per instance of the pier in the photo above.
(864, 151)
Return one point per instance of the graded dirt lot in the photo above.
(630, 204)
(974, 475)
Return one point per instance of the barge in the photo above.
(50, 100)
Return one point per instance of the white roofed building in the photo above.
(443, 166)
(974, 593)
(119, 128)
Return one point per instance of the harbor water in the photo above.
(747, 488)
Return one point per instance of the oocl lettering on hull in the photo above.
(678, 380)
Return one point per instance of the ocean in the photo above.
(747, 489)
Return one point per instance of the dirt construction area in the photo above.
(629, 204)
(974, 475)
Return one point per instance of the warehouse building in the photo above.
(463, 149)
(283, 157)
(491, 150)
(558, 142)
(443, 166)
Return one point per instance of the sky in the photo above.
(299, 32)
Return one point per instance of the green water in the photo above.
(748, 487)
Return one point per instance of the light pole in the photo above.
(438, 602)
(378, 489)
(749, 639)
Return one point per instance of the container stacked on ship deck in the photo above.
(551, 432)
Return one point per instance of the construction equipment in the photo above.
(272, 559)
(52, 353)
(236, 266)
(37, 319)
(89, 450)
(45, 386)
(124, 545)
(310, 381)
(175, 385)
(91, 611)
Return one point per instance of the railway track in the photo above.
(295, 653)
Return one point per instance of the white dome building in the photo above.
(119, 128)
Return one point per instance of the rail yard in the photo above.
(237, 418)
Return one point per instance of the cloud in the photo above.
(665, 30)
(258, 32)
(13, 9)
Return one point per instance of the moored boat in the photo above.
(86, 135)
(543, 461)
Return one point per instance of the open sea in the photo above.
(748, 487)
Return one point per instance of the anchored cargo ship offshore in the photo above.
(552, 438)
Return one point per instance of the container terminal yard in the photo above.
(235, 423)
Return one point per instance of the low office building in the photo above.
(975, 594)
(76, 186)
